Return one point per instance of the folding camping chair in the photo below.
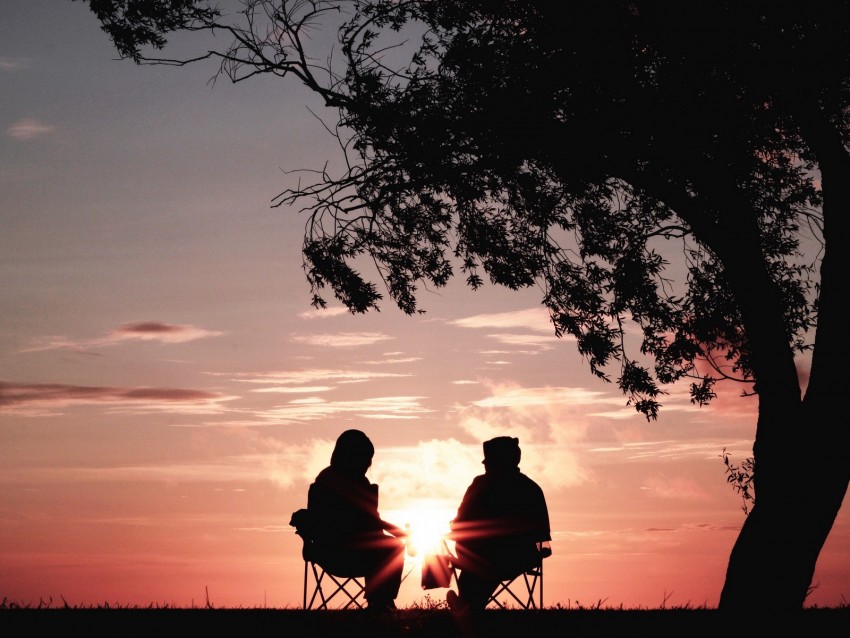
(321, 586)
(531, 579)
(529, 597)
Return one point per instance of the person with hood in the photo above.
(349, 535)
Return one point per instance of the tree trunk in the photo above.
(802, 452)
(802, 476)
(772, 562)
(768, 569)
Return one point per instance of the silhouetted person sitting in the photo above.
(501, 520)
(350, 536)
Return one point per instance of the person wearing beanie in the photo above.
(499, 523)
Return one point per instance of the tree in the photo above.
(568, 146)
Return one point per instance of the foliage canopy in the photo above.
(570, 146)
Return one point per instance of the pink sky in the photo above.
(167, 393)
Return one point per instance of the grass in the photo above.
(429, 620)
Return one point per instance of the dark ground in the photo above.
(413, 623)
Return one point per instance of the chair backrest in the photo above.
(304, 526)
(303, 523)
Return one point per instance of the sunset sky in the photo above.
(167, 393)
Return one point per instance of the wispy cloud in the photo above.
(342, 339)
(534, 319)
(134, 331)
(158, 331)
(34, 399)
(391, 361)
(513, 396)
(669, 450)
(52, 342)
(12, 64)
(530, 319)
(675, 488)
(538, 342)
(188, 472)
(325, 313)
(309, 376)
(307, 389)
(316, 408)
(28, 128)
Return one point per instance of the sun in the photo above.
(427, 522)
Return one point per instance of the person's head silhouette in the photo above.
(501, 453)
(353, 452)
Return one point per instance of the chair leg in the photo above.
(533, 580)
(504, 587)
(317, 591)
(540, 592)
(341, 586)
(494, 597)
(529, 586)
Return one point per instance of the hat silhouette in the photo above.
(501, 451)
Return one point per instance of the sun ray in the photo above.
(427, 521)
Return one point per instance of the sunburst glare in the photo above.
(427, 522)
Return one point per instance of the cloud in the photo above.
(12, 64)
(538, 342)
(514, 396)
(550, 422)
(308, 389)
(158, 331)
(436, 471)
(324, 313)
(670, 450)
(283, 464)
(531, 319)
(535, 319)
(269, 459)
(342, 339)
(433, 470)
(206, 472)
(312, 375)
(134, 331)
(33, 399)
(52, 342)
(28, 128)
(675, 488)
(315, 408)
(728, 406)
(393, 361)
